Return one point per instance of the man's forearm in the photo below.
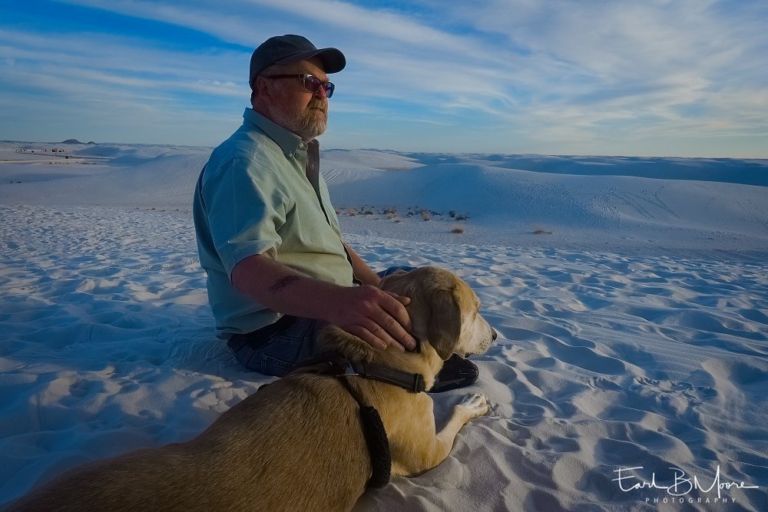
(374, 315)
(281, 288)
(362, 271)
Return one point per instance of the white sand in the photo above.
(634, 326)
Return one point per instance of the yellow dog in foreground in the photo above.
(298, 444)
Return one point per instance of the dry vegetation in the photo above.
(393, 214)
(413, 213)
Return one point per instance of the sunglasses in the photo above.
(310, 82)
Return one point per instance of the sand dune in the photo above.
(635, 335)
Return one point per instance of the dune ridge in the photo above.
(632, 337)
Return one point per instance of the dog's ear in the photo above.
(444, 324)
(434, 309)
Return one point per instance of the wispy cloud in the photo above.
(549, 75)
(224, 20)
(111, 83)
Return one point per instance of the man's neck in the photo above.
(264, 111)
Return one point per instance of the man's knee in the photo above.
(277, 351)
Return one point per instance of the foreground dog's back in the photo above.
(270, 452)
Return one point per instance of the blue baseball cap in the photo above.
(291, 48)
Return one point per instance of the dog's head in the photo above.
(444, 311)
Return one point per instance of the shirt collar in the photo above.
(288, 141)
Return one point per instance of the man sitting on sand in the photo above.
(267, 234)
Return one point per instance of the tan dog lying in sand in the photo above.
(298, 444)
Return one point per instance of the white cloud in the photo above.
(215, 18)
(380, 24)
(585, 71)
(88, 60)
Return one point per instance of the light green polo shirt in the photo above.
(253, 197)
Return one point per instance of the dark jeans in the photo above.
(280, 347)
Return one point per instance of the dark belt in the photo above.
(258, 338)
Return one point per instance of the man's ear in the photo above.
(444, 324)
(260, 89)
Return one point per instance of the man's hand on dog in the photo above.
(377, 317)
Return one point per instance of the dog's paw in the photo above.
(474, 405)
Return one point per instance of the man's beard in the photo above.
(307, 124)
(312, 122)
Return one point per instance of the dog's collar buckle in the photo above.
(348, 370)
(417, 383)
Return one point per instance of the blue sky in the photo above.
(602, 77)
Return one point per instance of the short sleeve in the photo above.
(245, 209)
